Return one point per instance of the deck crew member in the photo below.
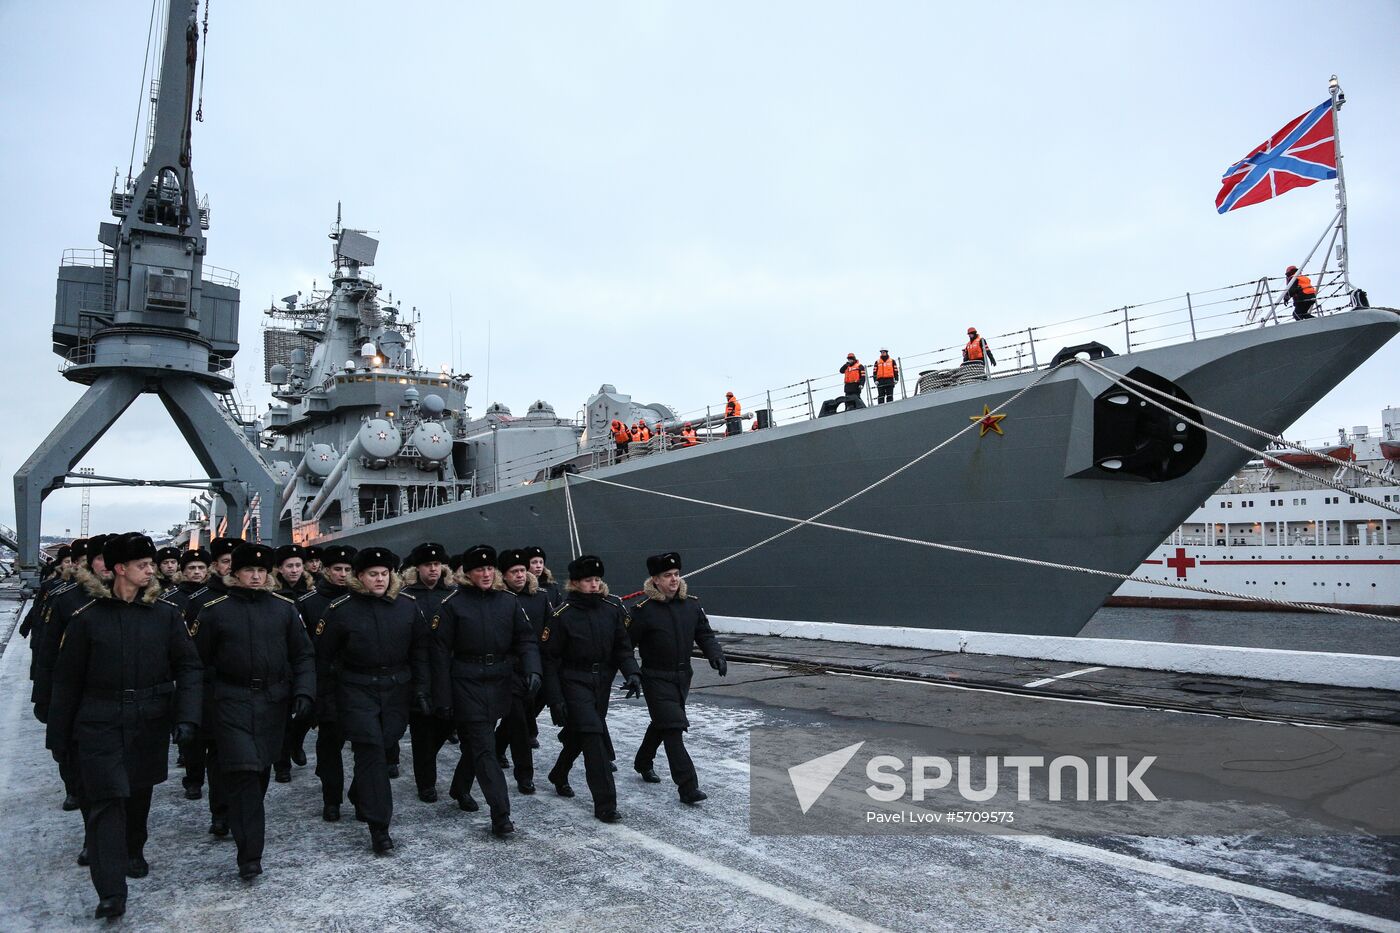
(429, 581)
(1301, 292)
(688, 436)
(259, 673)
(517, 729)
(886, 372)
(977, 350)
(583, 646)
(733, 412)
(126, 681)
(372, 664)
(330, 741)
(480, 635)
(167, 567)
(852, 378)
(664, 626)
(621, 438)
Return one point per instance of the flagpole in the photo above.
(1334, 88)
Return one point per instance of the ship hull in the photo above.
(1021, 493)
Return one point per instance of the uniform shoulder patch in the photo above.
(215, 601)
(436, 619)
(305, 596)
(81, 608)
(320, 626)
(544, 635)
(560, 611)
(338, 600)
(285, 599)
(409, 595)
(194, 628)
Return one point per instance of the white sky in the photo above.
(686, 198)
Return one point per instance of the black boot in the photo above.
(394, 771)
(428, 794)
(525, 787)
(83, 859)
(379, 839)
(563, 789)
(607, 814)
(249, 870)
(137, 867)
(468, 802)
(331, 813)
(649, 775)
(504, 762)
(281, 776)
(111, 907)
(193, 793)
(218, 826)
(299, 757)
(501, 826)
(693, 797)
(70, 803)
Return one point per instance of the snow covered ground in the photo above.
(666, 866)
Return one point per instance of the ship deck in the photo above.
(667, 866)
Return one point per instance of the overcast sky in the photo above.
(686, 198)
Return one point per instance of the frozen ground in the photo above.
(666, 866)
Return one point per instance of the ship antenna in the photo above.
(140, 95)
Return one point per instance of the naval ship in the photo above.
(365, 444)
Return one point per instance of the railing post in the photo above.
(811, 406)
(1030, 338)
(709, 432)
(1127, 331)
(1191, 315)
(903, 390)
(771, 422)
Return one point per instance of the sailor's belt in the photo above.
(374, 675)
(483, 658)
(667, 668)
(599, 668)
(132, 696)
(252, 683)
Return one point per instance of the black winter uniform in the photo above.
(518, 728)
(552, 589)
(480, 638)
(427, 734)
(125, 673)
(197, 751)
(65, 600)
(330, 766)
(371, 658)
(257, 657)
(583, 647)
(180, 595)
(294, 736)
(663, 631)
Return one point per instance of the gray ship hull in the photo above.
(1011, 494)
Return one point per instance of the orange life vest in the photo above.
(973, 350)
(643, 432)
(855, 372)
(732, 408)
(884, 368)
(688, 438)
(1306, 285)
(620, 433)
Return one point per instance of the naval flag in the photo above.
(1303, 153)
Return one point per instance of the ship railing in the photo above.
(105, 259)
(1128, 328)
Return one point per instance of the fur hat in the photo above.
(512, 558)
(478, 555)
(333, 554)
(78, 548)
(120, 549)
(658, 564)
(62, 552)
(581, 568)
(167, 553)
(286, 552)
(426, 553)
(374, 557)
(249, 554)
(221, 546)
(197, 556)
(94, 547)
(532, 552)
(313, 553)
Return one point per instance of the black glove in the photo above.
(444, 713)
(183, 733)
(558, 714)
(720, 665)
(41, 713)
(301, 707)
(532, 684)
(24, 627)
(633, 683)
(421, 705)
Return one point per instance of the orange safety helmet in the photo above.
(1290, 270)
(729, 395)
(972, 330)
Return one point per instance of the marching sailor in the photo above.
(429, 581)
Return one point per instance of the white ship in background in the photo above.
(1270, 532)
